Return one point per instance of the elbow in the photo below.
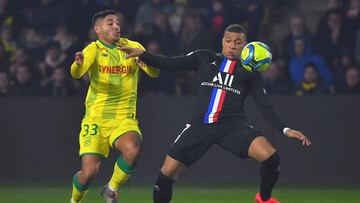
(75, 76)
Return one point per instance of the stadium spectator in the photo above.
(7, 43)
(276, 82)
(163, 33)
(340, 72)
(146, 12)
(34, 41)
(353, 14)
(193, 36)
(176, 17)
(352, 85)
(4, 84)
(297, 29)
(21, 58)
(218, 21)
(59, 85)
(54, 57)
(248, 13)
(68, 43)
(164, 85)
(24, 85)
(6, 18)
(4, 62)
(49, 14)
(301, 55)
(334, 38)
(311, 83)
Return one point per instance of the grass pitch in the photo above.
(182, 194)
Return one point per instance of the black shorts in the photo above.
(196, 139)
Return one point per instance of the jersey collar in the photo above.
(108, 46)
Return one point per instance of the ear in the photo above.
(97, 29)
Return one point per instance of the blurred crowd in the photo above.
(38, 39)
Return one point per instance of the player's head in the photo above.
(233, 41)
(106, 26)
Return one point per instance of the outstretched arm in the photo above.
(187, 62)
(259, 95)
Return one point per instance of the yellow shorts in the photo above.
(98, 135)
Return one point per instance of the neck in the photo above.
(107, 42)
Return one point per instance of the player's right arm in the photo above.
(83, 61)
(187, 62)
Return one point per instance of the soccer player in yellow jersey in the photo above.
(110, 118)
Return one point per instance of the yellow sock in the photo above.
(78, 191)
(122, 172)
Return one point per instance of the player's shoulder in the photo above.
(91, 45)
(129, 43)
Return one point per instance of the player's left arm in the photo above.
(259, 94)
(149, 70)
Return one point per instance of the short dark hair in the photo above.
(236, 28)
(102, 14)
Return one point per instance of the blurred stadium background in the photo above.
(41, 106)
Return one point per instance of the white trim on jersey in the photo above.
(187, 127)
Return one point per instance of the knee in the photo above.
(172, 172)
(130, 152)
(273, 161)
(90, 172)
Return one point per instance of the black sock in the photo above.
(269, 174)
(162, 192)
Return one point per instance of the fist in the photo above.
(79, 58)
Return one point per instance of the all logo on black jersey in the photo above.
(224, 79)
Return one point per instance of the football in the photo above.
(256, 56)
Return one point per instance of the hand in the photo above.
(131, 52)
(140, 63)
(79, 58)
(298, 135)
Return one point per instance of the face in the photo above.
(334, 21)
(3, 80)
(232, 44)
(352, 77)
(310, 74)
(297, 26)
(108, 29)
(59, 76)
(274, 72)
(22, 74)
(299, 47)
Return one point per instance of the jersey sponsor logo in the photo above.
(226, 80)
(213, 63)
(115, 69)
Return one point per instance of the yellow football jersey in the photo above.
(112, 92)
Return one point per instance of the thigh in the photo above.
(191, 143)
(92, 138)
(128, 127)
(236, 138)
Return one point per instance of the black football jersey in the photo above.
(222, 86)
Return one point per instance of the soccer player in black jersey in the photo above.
(218, 117)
